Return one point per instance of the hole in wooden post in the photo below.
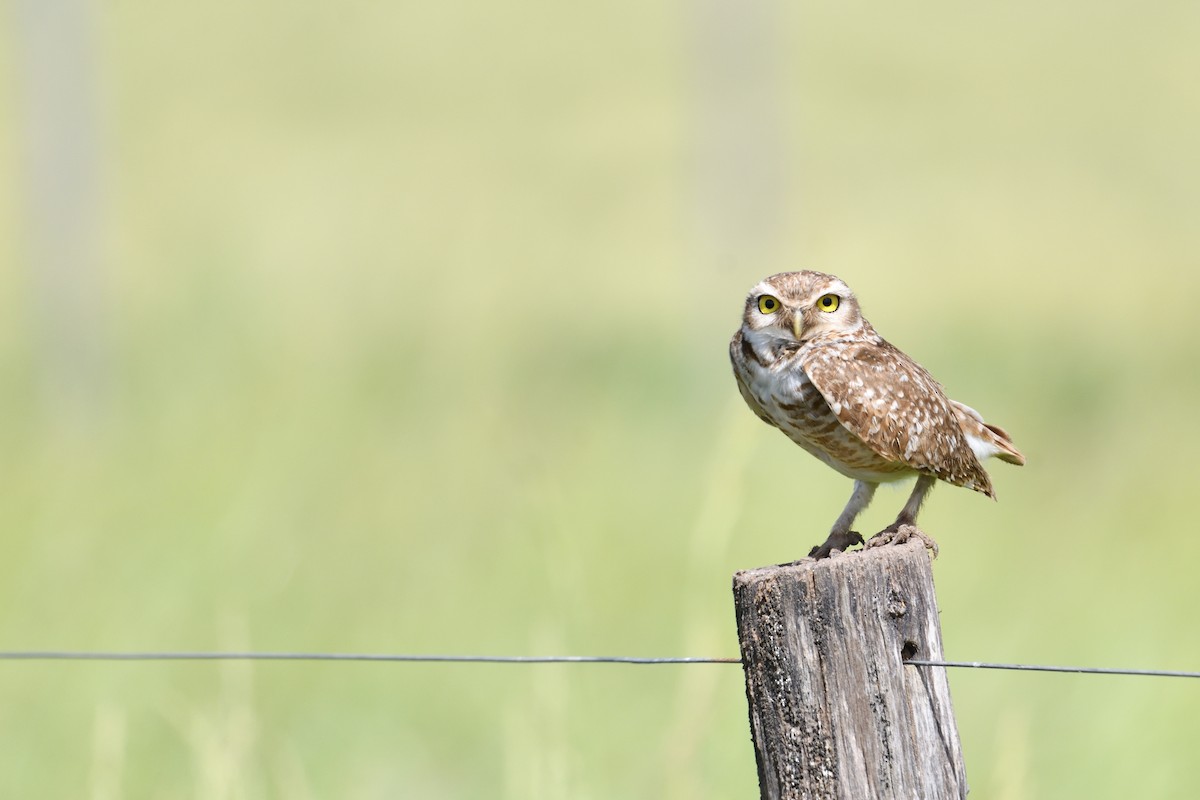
(909, 651)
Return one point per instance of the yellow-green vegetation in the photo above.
(413, 340)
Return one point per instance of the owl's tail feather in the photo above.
(1008, 450)
(986, 440)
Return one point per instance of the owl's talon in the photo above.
(835, 544)
(899, 534)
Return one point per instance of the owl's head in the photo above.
(801, 306)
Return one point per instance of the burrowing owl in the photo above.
(808, 362)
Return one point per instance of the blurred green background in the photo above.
(401, 328)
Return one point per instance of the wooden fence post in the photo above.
(834, 712)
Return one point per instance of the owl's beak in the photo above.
(797, 324)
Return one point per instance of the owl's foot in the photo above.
(898, 533)
(836, 543)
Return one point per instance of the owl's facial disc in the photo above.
(798, 307)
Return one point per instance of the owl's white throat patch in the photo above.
(769, 344)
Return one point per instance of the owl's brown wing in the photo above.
(886, 399)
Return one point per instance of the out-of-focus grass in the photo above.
(414, 346)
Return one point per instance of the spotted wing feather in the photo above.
(896, 407)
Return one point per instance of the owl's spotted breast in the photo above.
(778, 389)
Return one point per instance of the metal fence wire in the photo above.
(166, 655)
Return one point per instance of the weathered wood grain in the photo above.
(834, 712)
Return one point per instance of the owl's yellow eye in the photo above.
(828, 302)
(768, 304)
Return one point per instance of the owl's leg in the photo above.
(841, 537)
(905, 528)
